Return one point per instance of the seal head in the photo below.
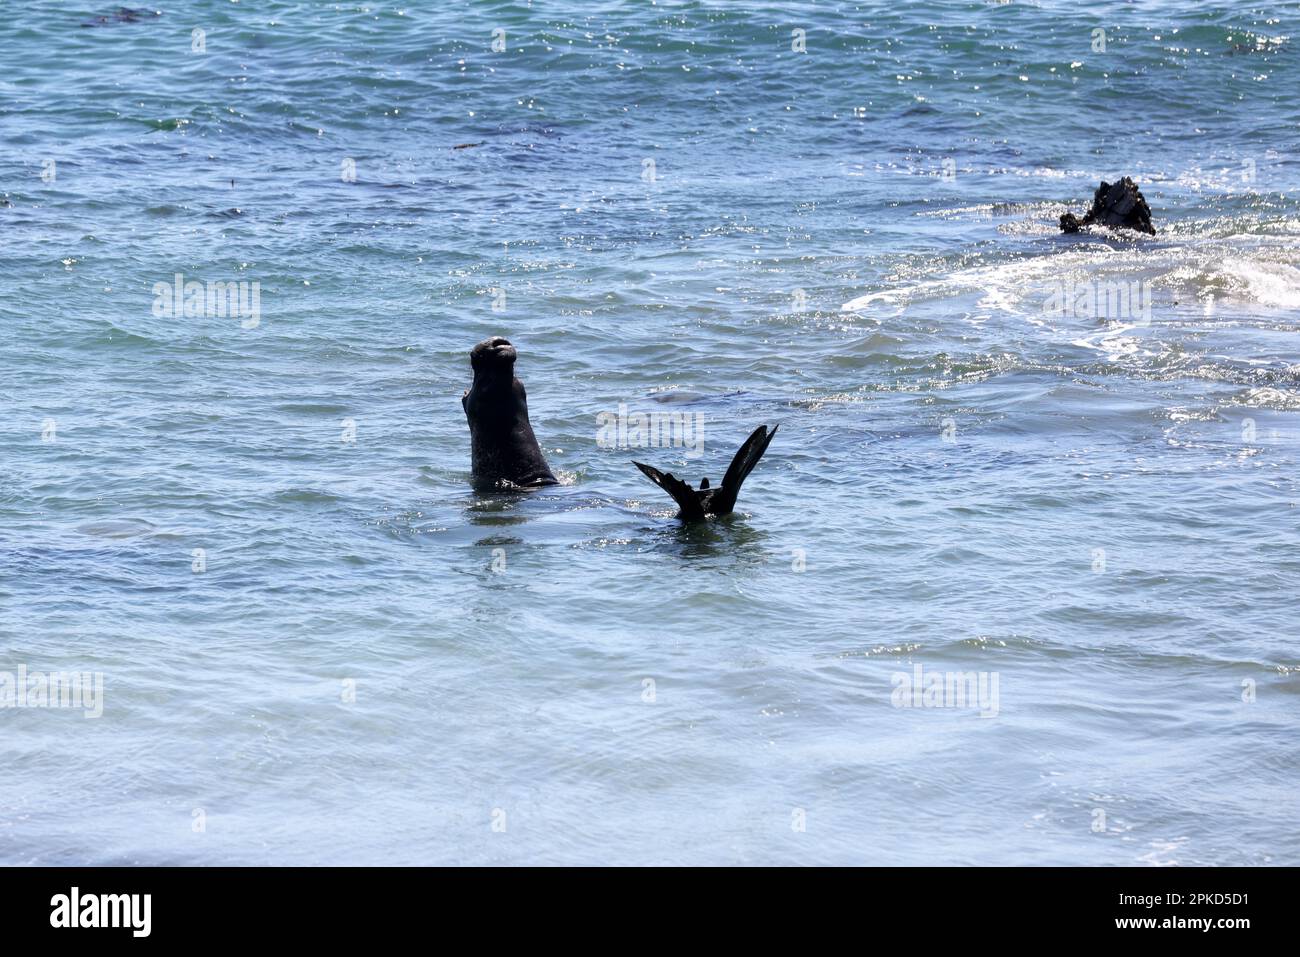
(503, 448)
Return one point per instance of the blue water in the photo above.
(665, 206)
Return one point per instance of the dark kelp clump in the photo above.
(1118, 205)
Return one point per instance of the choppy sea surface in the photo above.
(1065, 465)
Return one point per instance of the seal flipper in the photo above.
(724, 499)
(686, 497)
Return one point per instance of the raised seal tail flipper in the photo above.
(724, 499)
(682, 493)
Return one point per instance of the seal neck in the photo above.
(497, 379)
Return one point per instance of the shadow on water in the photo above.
(496, 507)
(731, 538)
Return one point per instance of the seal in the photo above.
(503, 448)
(1118, 205)
(121, 15)
(698, 504)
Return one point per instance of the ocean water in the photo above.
(1065, 465)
